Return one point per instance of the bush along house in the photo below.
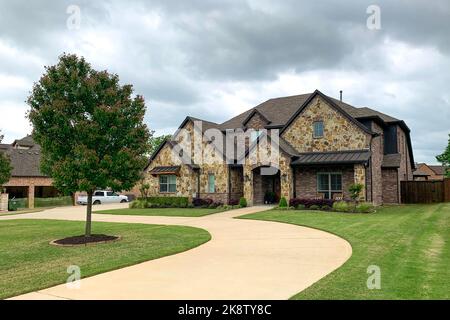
(313, 147)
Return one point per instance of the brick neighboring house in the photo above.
(27, 181)
(426, 172)
(325, 146)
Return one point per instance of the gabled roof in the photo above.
(439, 170)
(250, 116)
(332, 104)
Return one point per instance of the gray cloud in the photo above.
(212, 59)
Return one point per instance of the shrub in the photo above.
(325, 208)
(355, 190)
(190, 205)
(300, 207)
(283, 203)
(202, 202)
(364, 207)
(295, 202)
(160, 202)
(242, 202)
(341, 206)
(314, 207)
(270, 197)
(233, 202)
(138, 204)
(215, 205)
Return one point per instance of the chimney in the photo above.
(340, 95)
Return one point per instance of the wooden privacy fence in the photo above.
(425, 191)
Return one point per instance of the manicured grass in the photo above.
(411, 245)
(28, 262)
(169, 212)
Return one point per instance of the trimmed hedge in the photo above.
(295, 202)
(53, 202)
(160, 202)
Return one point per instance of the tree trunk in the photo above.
(88, 215)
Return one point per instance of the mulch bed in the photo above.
(82, 240)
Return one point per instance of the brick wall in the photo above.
(306, 180)
(390, 185)
(31, 183)
(377, 149)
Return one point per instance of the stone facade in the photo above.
(360, 178)
(3, 202)
(339, 132)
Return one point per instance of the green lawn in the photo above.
(410, 244)
(28, 262)
(169, 212)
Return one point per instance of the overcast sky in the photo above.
(215, 59)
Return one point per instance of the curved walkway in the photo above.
(245, 259)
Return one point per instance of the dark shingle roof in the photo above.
(419, 173)
(391, 160)
(337, 157)
(25, 162)
(439, 170)
(280, 110)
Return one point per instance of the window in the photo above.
(99, 193)
(318, 129)
(167, 183)
(211, 183)
(329, 183)
(254, 135)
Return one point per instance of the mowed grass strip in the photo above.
(29, 263)
(410, 244)
(168, 212)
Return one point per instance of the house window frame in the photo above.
(315, 136)
(329, 191)
(213, 185)
(168, 183)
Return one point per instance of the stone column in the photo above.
(248, 184)
(360, 178)
(286, 178)
(31, 197)
(3, 202)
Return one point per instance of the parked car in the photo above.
(102, 196)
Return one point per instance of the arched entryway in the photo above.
(266, 185)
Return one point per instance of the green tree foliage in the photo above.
(444, 158)
(90, 129)
(5, 167)
(155, 142)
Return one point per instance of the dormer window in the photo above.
(318, 129)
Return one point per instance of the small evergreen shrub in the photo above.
(300, 207)
(325, 208)
(283, 203)
(314, 207)
(242, 202)
(233, 202)
(309, 202)
(202, 202)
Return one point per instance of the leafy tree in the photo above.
(5, 167)
(444, 158)
(155, 142)
(90, 129)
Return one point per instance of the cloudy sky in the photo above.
(215, 59)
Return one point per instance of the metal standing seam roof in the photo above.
(338, 157)
(165, 170)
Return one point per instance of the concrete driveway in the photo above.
(245, 259)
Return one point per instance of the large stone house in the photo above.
(324, 145)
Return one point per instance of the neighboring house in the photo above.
(425, 172)
(325, 146)
(27, 180)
